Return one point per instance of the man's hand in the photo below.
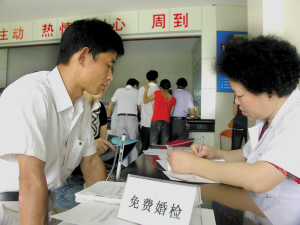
(101, 146)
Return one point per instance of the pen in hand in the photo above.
(201, 144)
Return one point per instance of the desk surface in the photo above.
(231, 205)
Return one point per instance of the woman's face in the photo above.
(253, 106)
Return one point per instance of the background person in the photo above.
(239, 128)
(264, 73)
(65, 195)
(52, 124)
(164, 104)
(127, 121)
(147, 109)
(184, 102)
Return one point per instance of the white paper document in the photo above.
(88, 214)
(156, 152)
(166, 165)
(165, 151)
(192, 178)
(102, 191)
(92, 213)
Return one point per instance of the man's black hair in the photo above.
(265, 64)
(181, 82)
(133, 82)
(152, 75)
(97, 35)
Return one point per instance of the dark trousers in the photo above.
(145, 137)
(238, 133)
(159, 132)
(179, 130)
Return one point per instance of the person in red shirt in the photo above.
(164, 104)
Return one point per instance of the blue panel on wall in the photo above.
(223, 84)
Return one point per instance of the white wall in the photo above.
(228, 18)
(3, 67)
(169, 66)
(24, 60)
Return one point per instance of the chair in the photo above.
(226, 133)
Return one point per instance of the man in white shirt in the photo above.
(147, 109)
(46, 124)
(127, 121)
(184, 102)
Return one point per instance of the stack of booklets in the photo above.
(99, 204)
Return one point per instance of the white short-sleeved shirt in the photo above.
(279, 145)
(184, 101)
(38, 119)
(147, 109)
(127, 100)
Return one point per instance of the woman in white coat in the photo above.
(263, 73)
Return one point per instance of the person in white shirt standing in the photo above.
(184, 102)
(127, 121)
(147, 109)
(45, 122)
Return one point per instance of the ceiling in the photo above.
(27, 10)
(24, 10)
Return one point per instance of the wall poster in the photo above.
(223, 84)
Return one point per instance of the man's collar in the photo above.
(152, 84)
(60, 94)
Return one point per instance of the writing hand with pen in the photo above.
(183, 162)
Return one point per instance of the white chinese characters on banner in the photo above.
(139, 22)
(125, 23)
(154, 21)
(185, 19)
(63, 23)
(4, 32)
(21, 32)
(102, 17)
(44, 29)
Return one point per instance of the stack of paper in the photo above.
(103, 191)
(101, 203)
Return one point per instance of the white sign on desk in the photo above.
(153, 201)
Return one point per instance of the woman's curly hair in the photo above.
(265, 64)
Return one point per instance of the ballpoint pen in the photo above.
(201, 144)
(120, 158)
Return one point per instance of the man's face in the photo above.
(253, 106)
(97, 73)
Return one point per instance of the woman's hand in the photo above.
(102, 146)
(146, 87)
(206, 151)
(181, 161)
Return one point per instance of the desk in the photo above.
(231, 205)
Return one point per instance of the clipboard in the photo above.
(108, 156)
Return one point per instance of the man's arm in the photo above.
(33, 191)
(140, 108)
(109, 108)
(93, 169)
(193, 112)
